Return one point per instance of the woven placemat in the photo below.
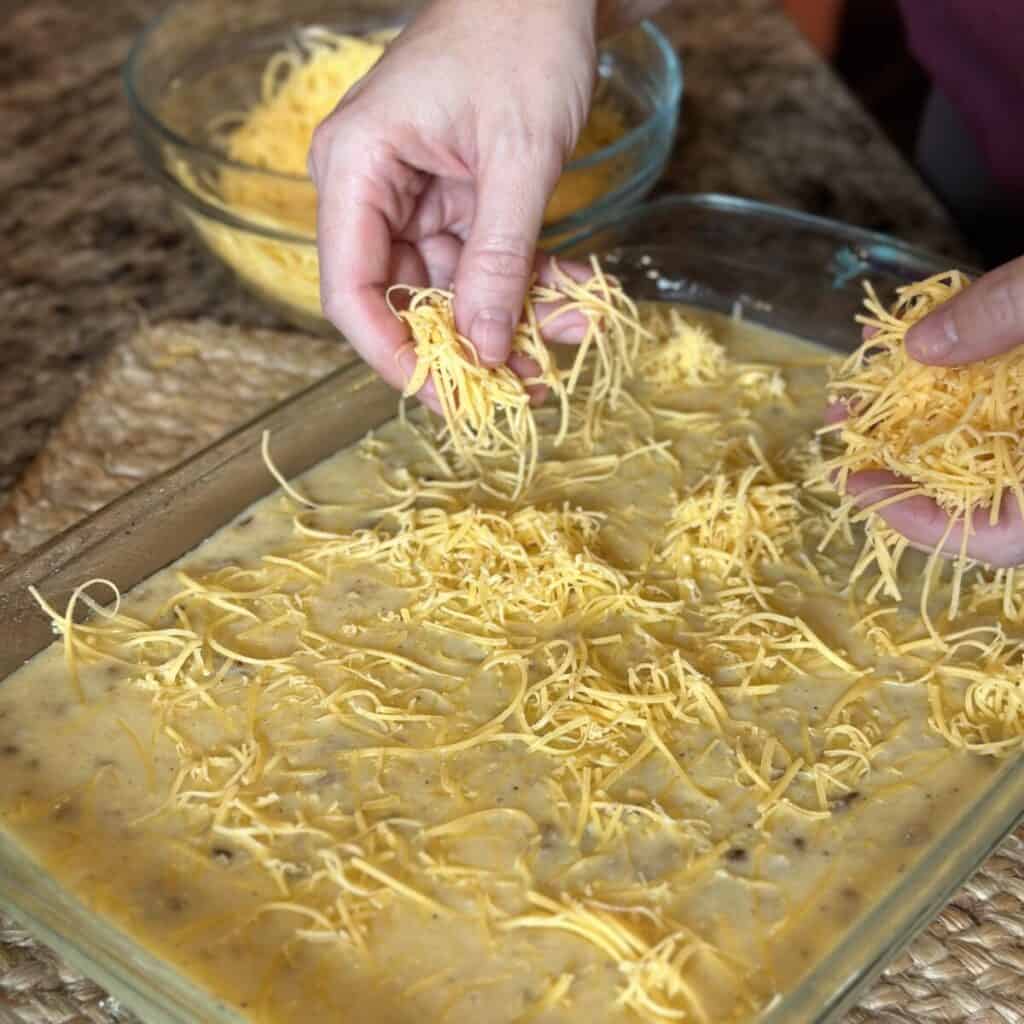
(165, 392)
(158, 397)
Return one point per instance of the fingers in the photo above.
(356, 206)
(525, 367)
(925, 524)
(352, 291)
(428, 264)
(447, 213)
(358, 262)
(497, 260)
(835, 412)
(565, 328)
(985, 319)
(407, 267)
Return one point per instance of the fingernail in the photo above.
(934, 337)
(571, 333)
(491, 333)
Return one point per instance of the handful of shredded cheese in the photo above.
(951, 433)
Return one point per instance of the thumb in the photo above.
(497, 260)
(985, 319)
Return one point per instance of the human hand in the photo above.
(984, 320)
(437, 167)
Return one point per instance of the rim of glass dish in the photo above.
(564, 231)
(671, 88)
(739, 204)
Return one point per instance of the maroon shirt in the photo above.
(974, 52)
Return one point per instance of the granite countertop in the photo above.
(87, 245)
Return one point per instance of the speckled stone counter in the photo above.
(87, 245)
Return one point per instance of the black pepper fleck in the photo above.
(63, 811)
(843, 802)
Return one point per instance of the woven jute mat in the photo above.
(159, 396)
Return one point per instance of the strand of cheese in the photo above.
(656, 983)
(557, 989)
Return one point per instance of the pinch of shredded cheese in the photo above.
(487, 411)
(990, 719)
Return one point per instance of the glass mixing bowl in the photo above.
(202, 62)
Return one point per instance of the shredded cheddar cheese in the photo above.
(685, 355)
(657, 986)
(990, 719)
(487, 411)
(730, 523)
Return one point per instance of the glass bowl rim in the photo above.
(559, 233)
(670, 89)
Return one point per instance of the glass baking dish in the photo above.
(785, 270)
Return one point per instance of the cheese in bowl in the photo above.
(225, 101)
